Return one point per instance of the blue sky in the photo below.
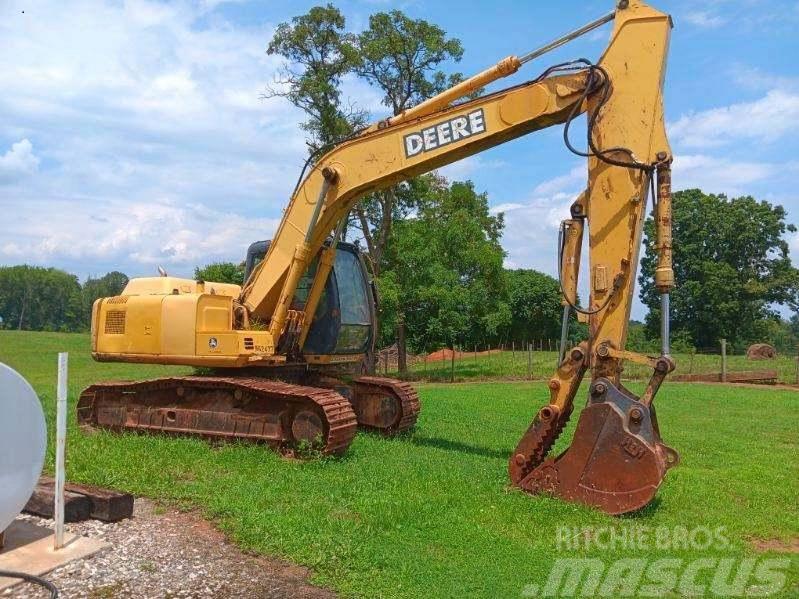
(132, 133)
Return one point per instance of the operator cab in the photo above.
(345, 316)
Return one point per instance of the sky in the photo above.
(134, 134)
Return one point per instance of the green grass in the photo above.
(514, 365)
(431, 514)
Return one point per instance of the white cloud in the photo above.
(753, 78)
(704, 19)
(142, 234)
(152, 143)
(764, 120)
(505, 208)
(719, 175)
(18, 161)
(531, 225)
(463, 169)
(577, 176)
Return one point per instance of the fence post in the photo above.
(385, 363)
(723, 360)
(530, 361)
(452, 369)
(60, 448)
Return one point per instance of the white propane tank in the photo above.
(23, 441)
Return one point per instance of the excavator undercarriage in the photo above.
(284, 415)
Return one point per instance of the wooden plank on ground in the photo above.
(107, 505)
(42, 503)
(750, 376)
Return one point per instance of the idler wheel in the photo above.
(307, 426)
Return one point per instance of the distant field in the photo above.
(431, 514)
(514, 365)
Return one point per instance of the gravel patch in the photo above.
(166, 553)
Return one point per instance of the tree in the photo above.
(535, 305)
(108, 285)
(443, 271)
(221, 272)
(401, 57)
(33, 298)
(319, 53)
(732, 266)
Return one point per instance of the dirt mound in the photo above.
(446, 354)
(761, 351)
(443, 354)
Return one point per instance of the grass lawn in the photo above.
(431, 514)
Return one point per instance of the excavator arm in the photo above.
(617, 460)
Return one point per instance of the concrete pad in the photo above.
(37, 556)
(22, 533)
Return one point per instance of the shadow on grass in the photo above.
(645, 513)
(456, 446)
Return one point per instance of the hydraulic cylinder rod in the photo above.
(664, 273)
(571, 248)
(565, 39)
(506, 66)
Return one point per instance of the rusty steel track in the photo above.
(224, 408)
(384, 404)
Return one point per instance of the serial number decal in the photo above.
(445, 133)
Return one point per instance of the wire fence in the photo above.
(538, 359)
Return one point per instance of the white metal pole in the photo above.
(60, 448)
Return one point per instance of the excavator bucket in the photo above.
(616, 462)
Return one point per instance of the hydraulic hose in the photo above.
(54, 593)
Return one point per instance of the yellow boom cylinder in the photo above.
(506, 66)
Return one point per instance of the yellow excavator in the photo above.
(282, 354)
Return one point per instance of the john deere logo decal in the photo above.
(445, 133)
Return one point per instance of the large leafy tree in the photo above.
(39, 299)
(319, 53)
(732, 266)
(398, 55)
(535, 304)
(443, 269)
(401, 57)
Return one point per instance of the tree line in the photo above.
(33, 298)
(442, 281)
